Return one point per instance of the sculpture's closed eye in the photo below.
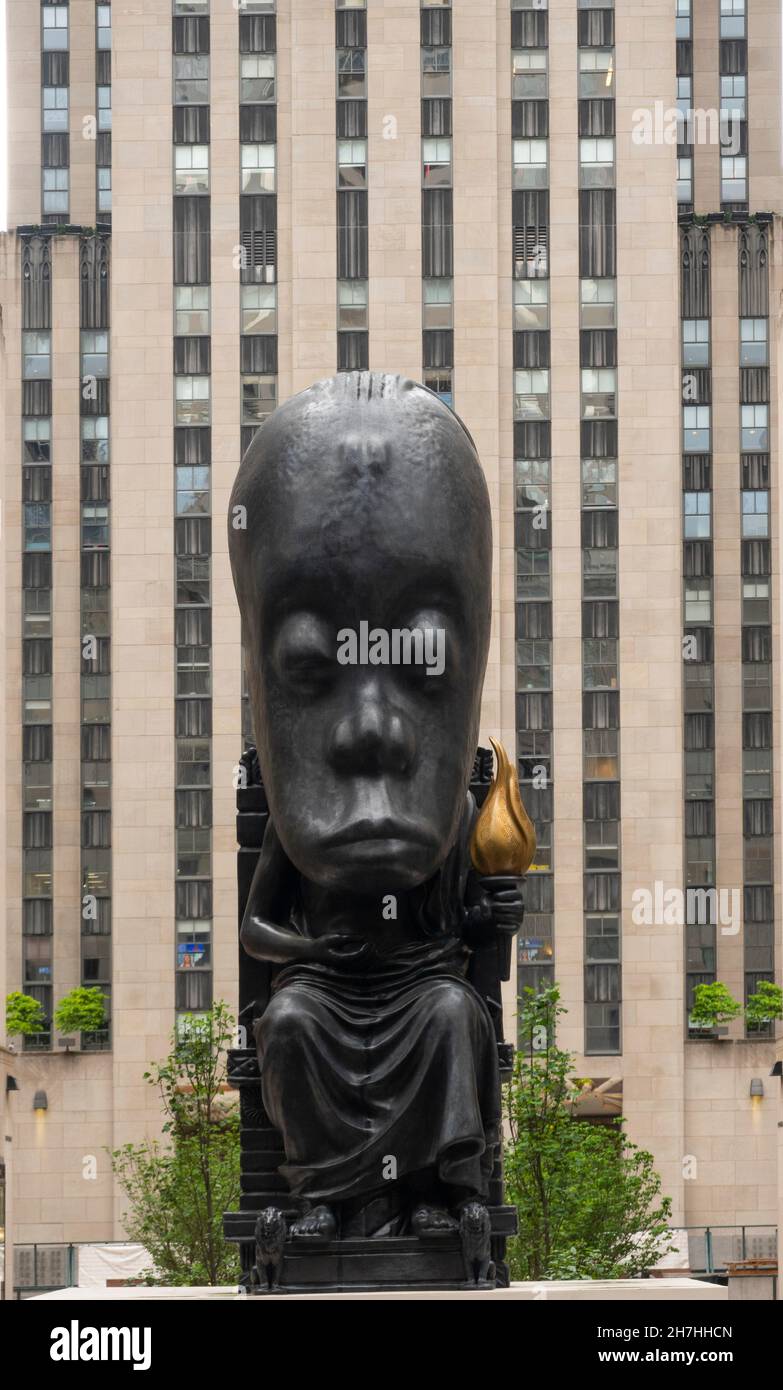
(304, 653)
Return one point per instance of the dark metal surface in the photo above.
(376, 1016)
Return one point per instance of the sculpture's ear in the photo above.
(274, 884)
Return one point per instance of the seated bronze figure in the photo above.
(361, 509)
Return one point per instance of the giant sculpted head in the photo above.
(361, 508)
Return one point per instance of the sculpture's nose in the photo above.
(373, 737)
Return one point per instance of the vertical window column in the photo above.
(757, 648)
(532, 469)
(103, 109)
(698, 610)
(352, 212)
(258, 215)
(437, 201)
(599, 503)
(684, 33)
(733, 106)
(192, 524)
(55, 140)
(37, 717)
(94, 302)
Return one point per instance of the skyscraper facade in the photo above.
(564, 218)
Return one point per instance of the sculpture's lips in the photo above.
(360, 831)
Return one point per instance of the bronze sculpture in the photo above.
(361, 508)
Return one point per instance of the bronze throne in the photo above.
(351, 1262)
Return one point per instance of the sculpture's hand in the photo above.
(497, 903)
(336, 949)
(507, 906)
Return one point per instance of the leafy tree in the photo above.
(24, 1015)
(82, 1010)
(765, 1006)
(178, 1189)
(589, 1200)
(713, 1004)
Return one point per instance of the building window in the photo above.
(95, 526)
(754, 346)
(95, 439)
(599, 655)
(436, 163)
(697, 516)
(438, 304)
(599, 483)
(352, 163)
(755, 428)
(193, 755)
(696, 429)
(191, 80)
(259, 398)
(258, 168)
(257, 77)
(529, 79)
(684, 107)
(191, 168)
(55, 108)
(104, 188)
(192, 491)
(698, 601)
(599, 393)
(755, 515)
(531, 305)
(596, 72)
(259, 308)
(104, 108)
(36, 356)
(733, 98)
(191, 310)
(755, 602)
(596, 163)
(684, 180)
(55, 27)
(534, 665)
(55, 190)
(696, 342)
(530, 164)
(531, 483)
(37, 526)
(601, 755)
(599, 572)
(598, 303)
(683, 19)
(352, 305)
(192, 400)
(351, 72)
(734, 178)
(103, 22)
(732, 19)
(533, 574)
(95, 354)
(602, 845)
(441, 383)
(531, 394)
(37, 439)
(436, 72)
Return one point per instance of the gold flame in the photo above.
(503, 840)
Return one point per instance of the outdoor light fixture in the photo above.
(757, 1086)
(40, 1101)
(11, 1084)
(777, 1070)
